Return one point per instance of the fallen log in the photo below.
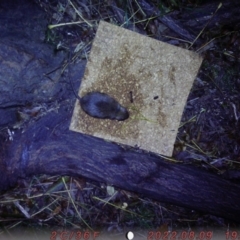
(49, 147)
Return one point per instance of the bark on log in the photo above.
(48, 147)
(188, 24)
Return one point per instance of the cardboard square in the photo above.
(151, 78)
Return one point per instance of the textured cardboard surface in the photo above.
(155, 75)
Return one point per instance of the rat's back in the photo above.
(101, 105)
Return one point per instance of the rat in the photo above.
(101, 105)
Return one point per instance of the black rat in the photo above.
(101, 105)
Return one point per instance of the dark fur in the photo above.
(101, 105)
